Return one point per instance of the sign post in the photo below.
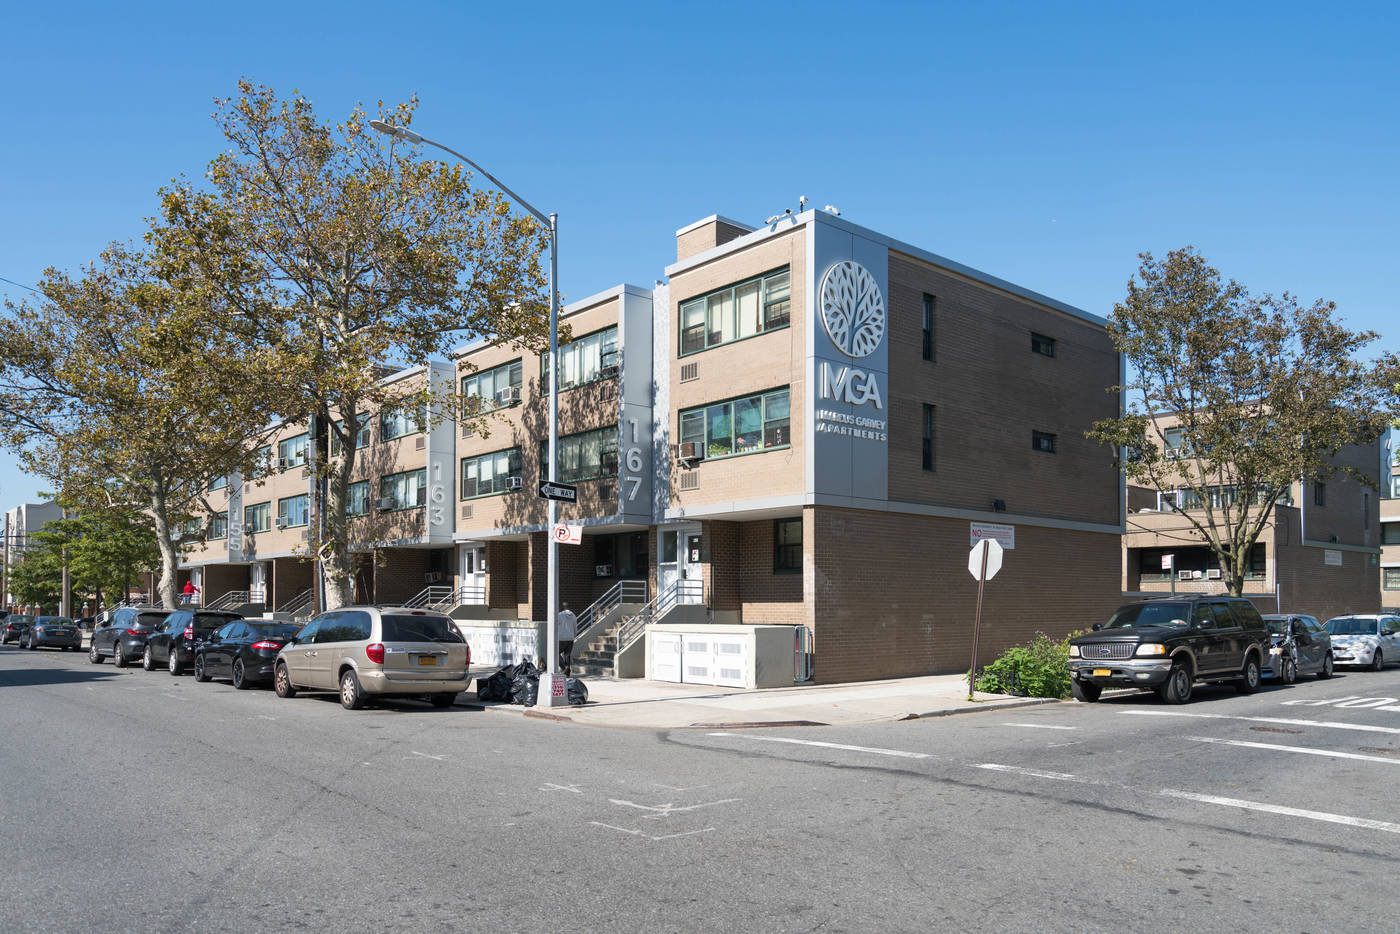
(983, 562)
(1169, 565)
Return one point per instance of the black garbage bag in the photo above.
(578, 692)
(525, 684)
(497, 687)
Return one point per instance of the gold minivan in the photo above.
(367, 651)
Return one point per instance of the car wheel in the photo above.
(441, 699)
(352, 696)
(1248, 681)
(1326, 670)
(1085, 691)
(1289, 672)
(282, 682)
(240, 677)
(148, 660)
(200, 674)
(118, 655)
(1177, 688)
(34, 647)
(94, 656)
(172, 662)
(1377, 661)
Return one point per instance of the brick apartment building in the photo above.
(807, 424)
(1390, 526)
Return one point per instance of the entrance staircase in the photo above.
(596, 643)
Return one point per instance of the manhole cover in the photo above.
(1273, 729)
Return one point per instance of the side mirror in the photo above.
(1097, 626)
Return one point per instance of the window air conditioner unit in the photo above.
(514, 483)
(1173, 454)
(1196, 575)
(508, 396)
(602, 570)
(386, 502)
(432, 577)
(281, 522)
(1183, 575)
(283, 463)
(691, 451)
(1213, 574)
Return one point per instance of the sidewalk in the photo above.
(660, 705)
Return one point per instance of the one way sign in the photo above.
(564, 492)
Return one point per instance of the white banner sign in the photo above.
(1332, 556)
(566, 534)
(1004, 534)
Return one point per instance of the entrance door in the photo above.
(473, 558)
(680, 559)
(257, 583)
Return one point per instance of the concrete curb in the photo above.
(990, 705)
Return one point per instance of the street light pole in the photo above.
(551, 692)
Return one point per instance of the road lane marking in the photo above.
(1036, 773)
(639, 833)
(811, 742)
(666, 810)
(1329, 724)
(1041, 726)
(1348, 821)
(1304, 750)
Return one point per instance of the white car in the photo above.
(1368, 639)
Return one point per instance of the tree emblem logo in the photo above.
(853, 310)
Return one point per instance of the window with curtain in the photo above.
(745, 425)
(735, 312)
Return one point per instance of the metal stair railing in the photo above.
(467, 594)
(681, 591)
(299, 607)
(229, 600)
(618, 594)
(431, 596)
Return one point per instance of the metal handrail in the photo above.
(231, 599)
(632, 628)
(430, 596)
(618, 594)
(298, 606)
(468, 593)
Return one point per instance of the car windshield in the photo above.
(149, 620)
(1140, 615)
(1350, 626)
(211, 620)
(406, 628)
(1278, 627)
(275, 630)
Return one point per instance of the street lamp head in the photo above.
(403, 133)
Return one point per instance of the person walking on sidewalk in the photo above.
(567, 626)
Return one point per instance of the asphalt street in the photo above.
(135, 801)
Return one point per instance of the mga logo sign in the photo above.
(853, 310)
(847, 384)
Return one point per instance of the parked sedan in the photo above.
(172, 644)
(124, 634)
(1300, 646)
(55, 631)
(1365, 639)
(16, 625)
(244, 651)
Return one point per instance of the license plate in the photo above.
(427, 659)
(1102, 672)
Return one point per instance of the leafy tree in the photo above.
(36, 577)
(114, 389)
(1255, 391)
(338, 249)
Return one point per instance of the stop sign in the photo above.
(993, 550)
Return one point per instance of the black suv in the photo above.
(124, 634)
(174, 642)
(1169, 645)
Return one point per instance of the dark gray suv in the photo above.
(124, 635)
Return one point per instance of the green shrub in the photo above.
(1040, 669)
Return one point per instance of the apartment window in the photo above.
(488, 473)
(1390, 578)
(291, 452)
(739, 426)
(1390, 533)
(735, 312)
(1319, 494)
(218, 483)
(403, 420)
(622, 555)
(481, 391)
(218, 525)
(585, 360)
(1043, 442)
(292, 511)
(262, 458)
(361, 438)
(1045, 346)
(929, 304)
(585, 456)
(929, 411)
(357, 498)
(192, 528)
(787, 546)
(1395, 487)
(405, 490)
(257, 517)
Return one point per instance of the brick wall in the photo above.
(767, 597)
(398, 573)
(891, 595)
(291, 577)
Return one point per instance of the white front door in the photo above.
(257, 583)
(473, 575)
(679, 559)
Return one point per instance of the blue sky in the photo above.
(1046, 143)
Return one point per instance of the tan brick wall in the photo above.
(991, 392)
(766, 597)
(906, 605)
(705, 237)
